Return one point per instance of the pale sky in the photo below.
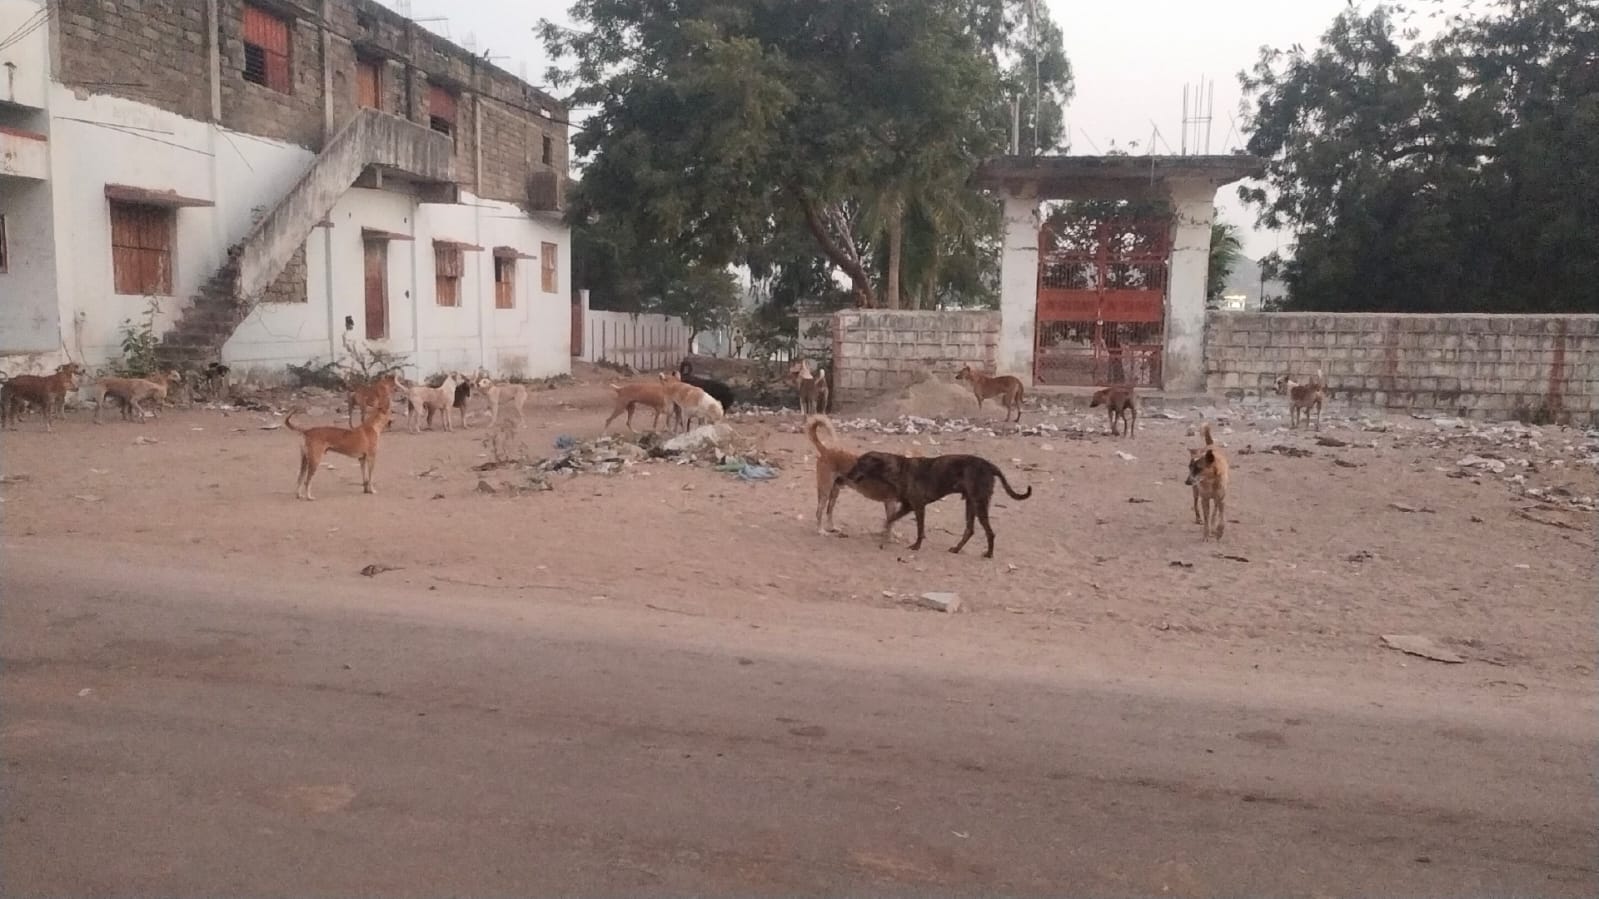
(1131, 60)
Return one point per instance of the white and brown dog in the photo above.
(1302, 398)
(507, 393)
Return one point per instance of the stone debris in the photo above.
(1417, 645)
(942, 602)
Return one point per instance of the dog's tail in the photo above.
(1006, 484)
(1205, 430)
(813, 428)
(289, 423)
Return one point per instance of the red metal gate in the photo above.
(1101, 302)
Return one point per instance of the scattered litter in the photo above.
(1296, 452)
(1552, 522)
(1417, 645)
(1231, 558)
(1496, 466)
(565, 442)
(756, 473)
(1325, 440)
(1364, 555)
(86, 497)
(374, 570)
(1126, 457)
(704, 436)
(1138, 499)
(943, 602)
(1407, 507)
(1345, 463)
(144, 441)
(271, 427)
(15, 478)
(99, 471)
(85, 691)
(1175, 563)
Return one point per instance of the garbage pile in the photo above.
(715, 446)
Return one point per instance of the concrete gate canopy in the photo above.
(1187, 184)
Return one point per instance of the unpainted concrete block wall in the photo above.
(1543, 367)
(877, 350)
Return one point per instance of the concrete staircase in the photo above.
(373, 143)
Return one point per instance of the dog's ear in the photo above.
(1210, 457)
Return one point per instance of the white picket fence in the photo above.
(646, 342)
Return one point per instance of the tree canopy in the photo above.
(1454, 174)
(722, 129)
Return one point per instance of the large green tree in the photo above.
(722, 126)
(1455, 174)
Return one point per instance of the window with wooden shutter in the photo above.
(369, 83)
(267, 42)
(549, 258)
(141, 249)
(449, 264)
(442, 104)
(505, 282)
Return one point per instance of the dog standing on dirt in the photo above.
(832, 462)
(917, 483)
(1006, 387)
(718, 390)
(511, 394)
(1207, 474)
(812, 387)
(690, 402)
(639, 393)
(420, 399)
(367, 397)
(48, 392)
(1120, 403)
(359, 443)
(131, 392)
(1302, 398)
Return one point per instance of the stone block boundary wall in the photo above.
(879, 350)
(1533, 367)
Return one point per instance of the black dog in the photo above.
(918, 483)
(720, 392)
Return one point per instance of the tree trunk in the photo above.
(849, 262)
(896, 245)
(691, 336)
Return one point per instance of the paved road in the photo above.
(174, 733)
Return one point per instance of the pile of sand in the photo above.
(929, 396)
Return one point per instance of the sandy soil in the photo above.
(1317, 563)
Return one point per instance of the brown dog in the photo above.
(367, 397)
(1302, 397)
(358, 443)
(130, 392)
(639, 393)
(831, 463)
(1120, 403)
(48, 392)
(1207, 474)
(917, 483)
(1006, 387)
(812, 387)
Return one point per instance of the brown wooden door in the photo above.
(369, 84)
(577, 328)
(377, 289)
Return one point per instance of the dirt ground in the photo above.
(1324, 551)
